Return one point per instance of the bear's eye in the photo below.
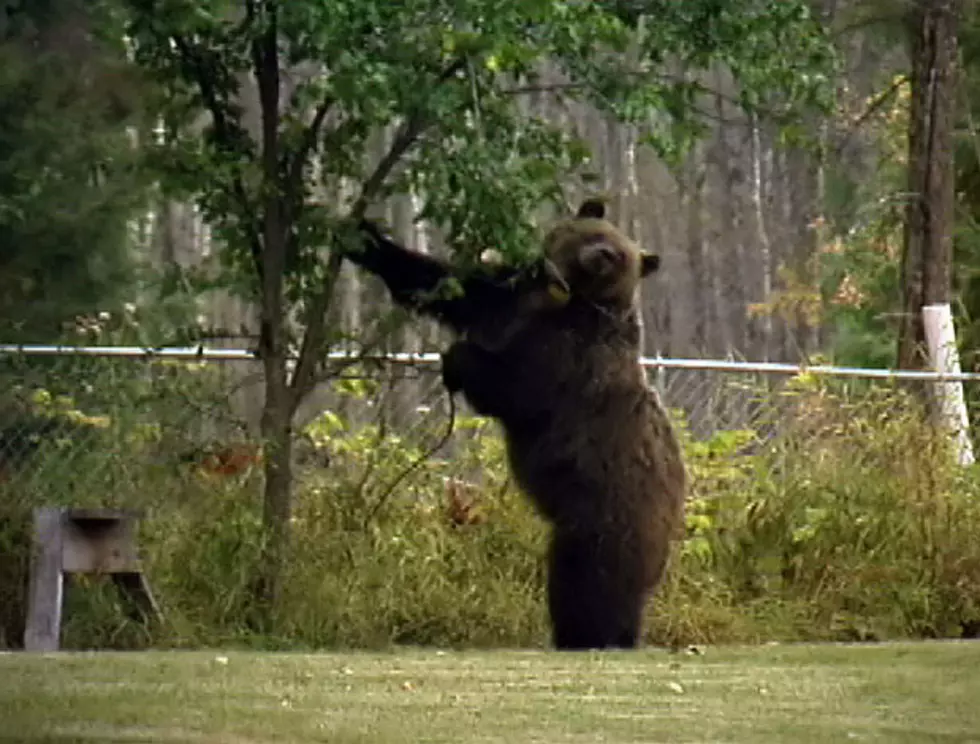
(610, 254)
(601, 255)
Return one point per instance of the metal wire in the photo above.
(200, 353)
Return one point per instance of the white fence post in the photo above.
(945, 359)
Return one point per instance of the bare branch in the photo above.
(294, 172)
(304, 378)
(661, 79)
(525, 90)
(876, 105)
(415, 124)
(293, 179)
(410, 130)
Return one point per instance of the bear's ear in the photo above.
(649, 263)
(592, 209)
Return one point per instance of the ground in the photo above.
(921, 692)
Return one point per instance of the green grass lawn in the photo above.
(921, 692)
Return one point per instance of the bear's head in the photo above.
(596, 260)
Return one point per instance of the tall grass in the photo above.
(849, 523)
(847, 520)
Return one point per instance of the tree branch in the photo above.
(410, 130)
(767, 112)
(304, 377)
(229, 138)
(293, 178)
(294, 170)
(876, 105)
(414, 125)
(524, 90)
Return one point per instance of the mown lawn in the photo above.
(922, 692)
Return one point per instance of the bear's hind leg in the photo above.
(594, 603)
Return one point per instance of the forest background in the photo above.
(185, 173)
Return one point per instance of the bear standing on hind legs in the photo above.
(587, 439)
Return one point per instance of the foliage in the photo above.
(966, 247)
(850, 523)
(859, 266)
(839, 516)
(448, 79)
(69, 175)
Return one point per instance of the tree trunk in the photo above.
(764, 262)
(277, 436)
(280, 402)
(693, 204)
(629, 217)
(731, 246)
(927, 249)
(652, 234)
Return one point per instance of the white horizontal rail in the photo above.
(200, 353)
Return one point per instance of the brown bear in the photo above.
(587, 439)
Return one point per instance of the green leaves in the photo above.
(487, 176)
(379, 98)
(69, 175)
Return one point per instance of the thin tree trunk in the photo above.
(279, 406)
(762, 235)
(629, 217)
(715, 245)
(658, 300)
(784, 192)
(732, 249)
(277, 437)
(693, 203)
(818, 332)
(927, 249)
(817, 329)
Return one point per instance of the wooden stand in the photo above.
(66, 541)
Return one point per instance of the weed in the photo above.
(841, 518)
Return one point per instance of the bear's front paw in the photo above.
(453, 366)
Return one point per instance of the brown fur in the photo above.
(587, 439)
(553, 356)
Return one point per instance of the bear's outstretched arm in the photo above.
(419, 282)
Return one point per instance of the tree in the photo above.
(966, 249)
(443, 79)
(68, 175)
(928, 236)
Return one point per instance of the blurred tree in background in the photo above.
(69, 170)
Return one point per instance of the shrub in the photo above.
(842, 518)
(851, 523)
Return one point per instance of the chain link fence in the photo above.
(827, 490)
(103, 425)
